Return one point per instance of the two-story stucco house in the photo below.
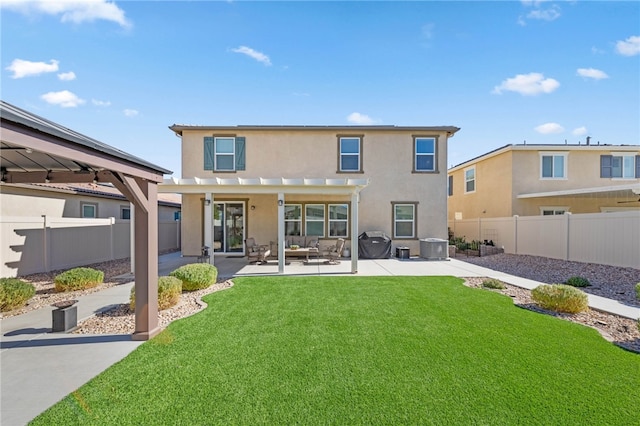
(330, 182)
(529, 180)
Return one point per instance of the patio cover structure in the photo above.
(36, 150)
(277, 186)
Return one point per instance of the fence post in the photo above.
(515, 234)
(45, 244)
(567, 235)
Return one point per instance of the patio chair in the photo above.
(255, 252)
(334, 253)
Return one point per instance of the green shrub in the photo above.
(560, 298)
(493, 283)
(169, 290)
(638, 291)
(578, 282)
(196, 276)
(78, 279)
(14, 293)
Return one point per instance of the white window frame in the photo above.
(358, 155)
(216, 154)
(293, 220)
(553, 155)
(307, 220)
(467, 180)
(92, 205)
(625, 168)
(417, 154)
(396, 220)
(331, 221)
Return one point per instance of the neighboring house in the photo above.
(530, 180)
(76, 200)
(329, 182)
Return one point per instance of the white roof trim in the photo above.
(634, 187)
(259, 185)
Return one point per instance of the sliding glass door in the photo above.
(228, 227)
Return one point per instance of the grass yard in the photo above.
(363, 350)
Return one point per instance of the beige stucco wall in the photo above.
(502, 176)
(387, 159)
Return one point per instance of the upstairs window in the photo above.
(424, 154)
(553, 166)
(89, 210)
(450, 186)
(470, 180)
(350, 148)
(224, 153)
(623, 166)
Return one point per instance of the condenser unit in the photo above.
(434, 249)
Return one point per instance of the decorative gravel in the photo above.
(607, 281)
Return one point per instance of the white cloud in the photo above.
(592, 73)
(67, 76)
(258, 56)
(75, 11)
(549, 128)
(629, 47)
(527, 84)
(65, 99)
(357, 118)
(540, 11)
(130, 112)
(100, 103)
(580, 131)
(22, 68)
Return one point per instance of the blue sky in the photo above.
(504, 72)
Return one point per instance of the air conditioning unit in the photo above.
(434, 249)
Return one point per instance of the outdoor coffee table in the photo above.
(301, 252)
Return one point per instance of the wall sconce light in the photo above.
(280, 203)
(4, 175)
(95, 178)
(207, 202)
(253, 207)
(47, 179)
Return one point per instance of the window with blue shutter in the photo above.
(225, 154)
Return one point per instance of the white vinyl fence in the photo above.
(41, 244)
(603, 238)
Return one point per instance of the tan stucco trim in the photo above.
(634, 187)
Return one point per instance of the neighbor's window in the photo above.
(425, 154)
(470, 179)
(625, 166)
(89, 210)
(350, 154)
(404, 220)
(553, 166)
(450, 185)
(125, 213)
(551, 211)
(293, 219)
(338, 220)
(314, 220)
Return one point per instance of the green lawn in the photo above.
(363, 350)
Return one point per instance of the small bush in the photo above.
(493, 283)
(578, 282)
(169, 290)
(196, 276)
(78, 279)
(638, 291)
(14, 293)
(560, 298)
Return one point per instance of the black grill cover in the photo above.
(374, 245)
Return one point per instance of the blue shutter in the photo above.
(606, 166)
(240, 156)
(637, 166)
(208, 153)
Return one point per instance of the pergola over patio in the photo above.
(277, 186)
(36, 150)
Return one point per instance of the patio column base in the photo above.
(145, 335)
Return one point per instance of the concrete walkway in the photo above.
(39, 368)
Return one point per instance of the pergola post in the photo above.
(208, 223)
(281, 259)
(354, 233)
